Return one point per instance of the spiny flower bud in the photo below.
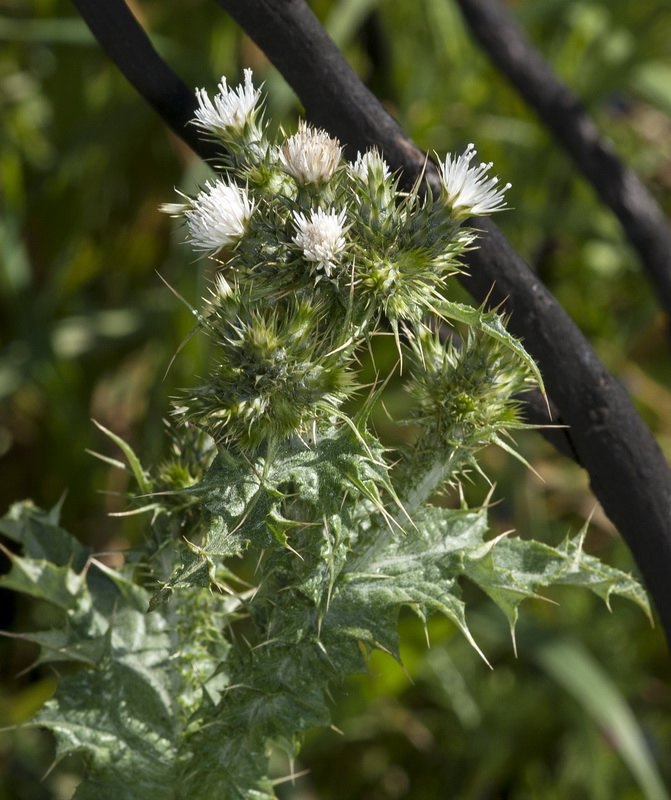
(370, 162)
(465, 395)
(273, 378)
(222, 288)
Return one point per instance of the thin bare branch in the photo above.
(125, 42)
(616, 184)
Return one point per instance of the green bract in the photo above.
(318, 258)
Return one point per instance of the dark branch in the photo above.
(628, 472)
(551, 425)
(334, 97)
(126, 43)
(616, 184)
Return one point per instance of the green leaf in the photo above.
(41, 537)
(124, 700)
(516, 568)
(421, 570)
(129, 710)
(65, 644)
(418, 570)
(42, 579)
(241, 501)
(141, 477)
(235, 503)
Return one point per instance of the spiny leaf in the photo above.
(60, 585)
(489, 322)
(65, 644)
(418, 570)
(41, 537)
(235, 504)
(514, 569)
(421, 569)
(242, 500)
(144, 680)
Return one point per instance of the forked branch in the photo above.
(559, 109)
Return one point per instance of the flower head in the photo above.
(231, 109)
(321, 236)
(310, 155)
(370, 161)
(467, 190)
(218, 216)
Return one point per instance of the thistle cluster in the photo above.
(313, 253)
(273, 377)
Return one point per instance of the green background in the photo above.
(88, 330)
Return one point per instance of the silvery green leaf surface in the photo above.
(421, 570)
(41, 537)
(129, 709)
(241, 500)
(165, 699)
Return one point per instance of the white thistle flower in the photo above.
(370, 161)
(218, 216)
(467, 190)
(321, 236)
(310, 155)
(231, 109)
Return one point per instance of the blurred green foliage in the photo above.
(88, 330)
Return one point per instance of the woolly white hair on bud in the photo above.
(370, 161)
(310, 155)
(321, 236)
(222, 288)
(467, 190)
(232, 107)
(219, 291)
(218, 216)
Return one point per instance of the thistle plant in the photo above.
(195, 665)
